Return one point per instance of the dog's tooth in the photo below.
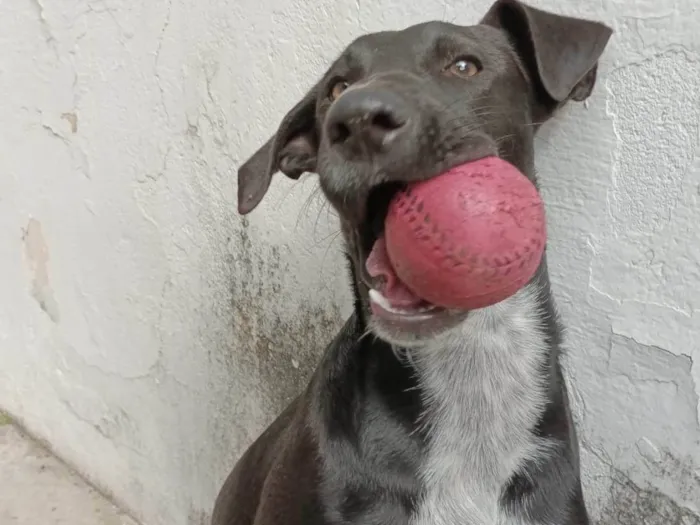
(382, 301)
(378, 298)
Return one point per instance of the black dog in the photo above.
(420, 415)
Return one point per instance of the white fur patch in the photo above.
(484, 394)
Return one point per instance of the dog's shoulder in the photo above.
(273, 481)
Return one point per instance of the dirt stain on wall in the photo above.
(37, 252)
(634, 505)
(72, 120)
(284, 350)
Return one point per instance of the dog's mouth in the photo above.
(394, 306)
(389, 296)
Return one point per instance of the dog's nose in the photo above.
(363, 121)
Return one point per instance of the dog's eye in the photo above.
(337, 89)
(465, 67)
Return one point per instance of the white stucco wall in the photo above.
(148, 333)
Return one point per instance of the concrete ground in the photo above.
(36, 488)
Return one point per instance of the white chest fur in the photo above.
(484, 394)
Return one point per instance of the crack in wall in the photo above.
(156, 64)
(45, 26)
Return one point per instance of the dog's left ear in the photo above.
(560, 53)
(292, 150)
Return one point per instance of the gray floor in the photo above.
(36, 488)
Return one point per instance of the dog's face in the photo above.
(405, 106)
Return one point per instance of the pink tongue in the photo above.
(378, 265)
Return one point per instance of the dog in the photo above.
(417, 414)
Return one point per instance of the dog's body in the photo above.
(418, 415)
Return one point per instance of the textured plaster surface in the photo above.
(148, 333)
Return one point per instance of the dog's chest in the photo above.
(484, 394)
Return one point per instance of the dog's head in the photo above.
(404, 106)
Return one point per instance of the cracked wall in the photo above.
(145, 324)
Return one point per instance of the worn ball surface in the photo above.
(468, 238)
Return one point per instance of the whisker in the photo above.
(325, 205)
(325, 254)
(368, 333)
(450, 104)
(306, 206)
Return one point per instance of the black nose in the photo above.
(363, 121)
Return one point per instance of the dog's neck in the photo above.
(485, 388)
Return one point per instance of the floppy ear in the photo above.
(560, 53)
(292, 150)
